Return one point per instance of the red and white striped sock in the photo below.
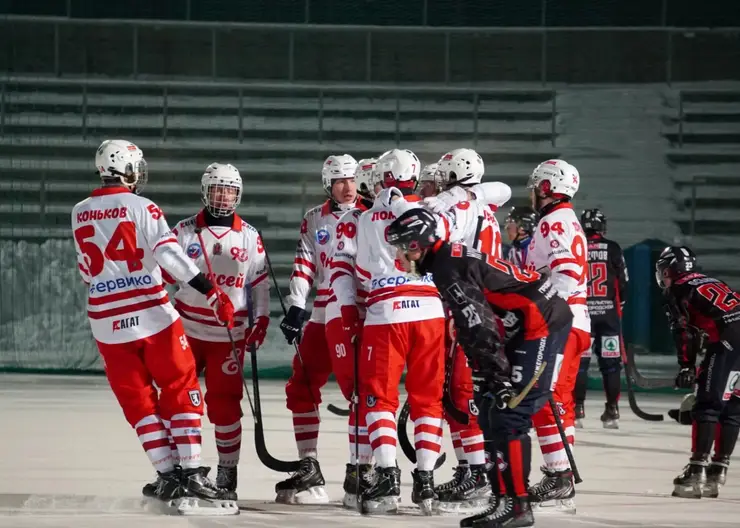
(551, 445)
(366, 453)
(152, 434)
(185, 430)
(173, 447)
(473, 446)
(457, 446)
(229, 443)
(428, 441)
(306, 430)
(381, 428)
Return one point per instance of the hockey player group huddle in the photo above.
(404, 282)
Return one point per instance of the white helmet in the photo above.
(555, 177)
(337, 168)
(122, 160)
(366, 176)
(221, 189)
(428, 173)
(399, 166)
(461, 166)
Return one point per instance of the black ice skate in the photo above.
(461, 473)
(226, 478)
(610, 417)
(580, 415)
(165, 488)
(385, 493)
(471, 492)
(555, 490)
(305, 486)
(716, 477)
(691, 481)
(510, 512)
(350, 483)
(423, 491)
(202, 496)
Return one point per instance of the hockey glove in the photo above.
(255, 336)
(497, 389)
(351, 322)
(221, 306)
(292, 323)
(686, 378)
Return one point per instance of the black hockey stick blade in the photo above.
(337, 410)
(641, 381)
(452, 411)
(628, 376)
(403, 438)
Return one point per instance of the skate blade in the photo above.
(350, 501)
(611, 424)
(427, 507)
(555, 506)
(315, 495)
(579, 424)
(382, 506)
(196, 507)
(467, 507)
(711, 491)
(686, 492)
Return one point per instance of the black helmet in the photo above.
(524, 217)
(414, 229)
(673, 262)
(593, 221)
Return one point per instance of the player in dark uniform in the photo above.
(476, 288)
(607, 288)
(703, 310)
(519, 225)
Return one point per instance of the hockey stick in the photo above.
(338, 410)
(640, 380)
(516, 400)
(564, 439)
(259, 434)
(453, 412)
(403, 438)
(628, 376)
(285, 313)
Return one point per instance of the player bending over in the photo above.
(238, 261)
(122, 240)
(475, 286)
(703, 309)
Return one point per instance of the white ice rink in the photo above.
(69, 459)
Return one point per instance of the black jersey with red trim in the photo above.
(607, 278)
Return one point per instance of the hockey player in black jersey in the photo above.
(607, 290)
(519, 225)
(703, 310)
(476, 289)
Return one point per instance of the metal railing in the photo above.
(368, 53)
(241, 89)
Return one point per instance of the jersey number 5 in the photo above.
(121, 247)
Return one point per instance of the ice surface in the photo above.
(69, 459)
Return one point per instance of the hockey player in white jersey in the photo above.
(404, 327)
(237, 258)
(559, 247)
(122, 240)
(313, 363)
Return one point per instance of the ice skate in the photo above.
(691, 481)
(385, 494)
(491, 506)
(226, 478)
(510, 512)
(471, 492)
(461, 472)
(716, 477)
(350, 483)
(202, 496)
(305, 486)
(423, 492)
(610, 417)
(580, 415)
(554, 493)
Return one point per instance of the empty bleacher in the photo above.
(705, 155)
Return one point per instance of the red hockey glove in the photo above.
(351, 322)
(256, 335)
(221, 306)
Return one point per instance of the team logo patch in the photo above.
(733, 382)
(194, 397)
(456, 250)
(371, 401)
(500, 462)
(194, 251)
(472, 408)
(217, 248)
(554, 244)
(322, 236)
(610, 347)
(340, 246)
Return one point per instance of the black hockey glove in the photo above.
(496, 388)
(686, 378)
(292, 324)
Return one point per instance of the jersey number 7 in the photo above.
(121, 247)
